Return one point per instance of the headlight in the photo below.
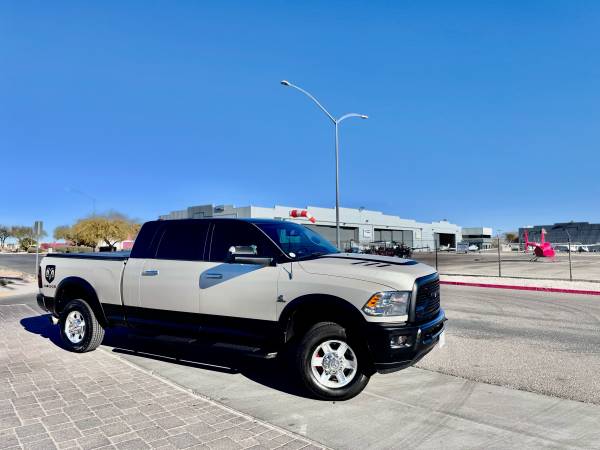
(389, 303)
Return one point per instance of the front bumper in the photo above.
(46, 303)
(419, 340)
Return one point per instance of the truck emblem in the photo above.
(49, 273)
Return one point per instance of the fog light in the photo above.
(399, 341)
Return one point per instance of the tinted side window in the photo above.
(238, 234)
(143, 242)
(183, 241)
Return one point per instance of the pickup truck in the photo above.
(272, 286)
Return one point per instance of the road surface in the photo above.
(23, 262)
(505, 349)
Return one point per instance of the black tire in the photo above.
(92, 333)
(308, 345)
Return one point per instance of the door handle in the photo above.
(150, 273)
(214, 276)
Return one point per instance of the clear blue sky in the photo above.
(481, 113)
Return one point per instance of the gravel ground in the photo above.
(537, 342)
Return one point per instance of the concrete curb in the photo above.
(521, 288)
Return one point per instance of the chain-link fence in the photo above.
(570, 262)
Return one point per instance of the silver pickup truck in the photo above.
(275, 287)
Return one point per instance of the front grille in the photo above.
(428, 300)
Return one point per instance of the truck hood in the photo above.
(393, 272)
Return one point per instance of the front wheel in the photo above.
(79, 329)
(331, 366)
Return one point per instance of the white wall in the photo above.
(423, 233)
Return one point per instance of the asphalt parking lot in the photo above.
(519, 370)
(585, 266)
(533, 341)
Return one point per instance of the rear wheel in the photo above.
(331, 366)
(80, 330)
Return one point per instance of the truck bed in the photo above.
(104, 256)
(102, 271)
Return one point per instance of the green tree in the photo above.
(109, 229)
(25, 236)
(62, 232)
(73, 235)
(5, 233)
(511, 236)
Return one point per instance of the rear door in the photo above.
(240, 298)
(169, 280)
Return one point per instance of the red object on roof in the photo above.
(297, 213)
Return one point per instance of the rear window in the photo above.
(142, 248)
(183, 240)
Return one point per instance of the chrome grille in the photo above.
(428, 300)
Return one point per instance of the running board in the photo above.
(253, 352)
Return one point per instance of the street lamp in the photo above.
(93, 199)
(336, 123)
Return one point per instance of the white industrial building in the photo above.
(357, 226)
(479, 236)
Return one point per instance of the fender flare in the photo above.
(89, 294)
(345, 312)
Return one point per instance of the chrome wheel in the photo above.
(75, 327)
(333, 364)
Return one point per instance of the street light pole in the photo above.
(560, 227)
(336, 123)
(337, 187)
(93, 199)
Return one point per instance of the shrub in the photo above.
(33, 249)
(73, 249)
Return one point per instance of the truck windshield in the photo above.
(297, 239)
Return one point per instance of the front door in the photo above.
(239, 299)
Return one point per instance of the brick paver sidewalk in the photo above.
(52, 398)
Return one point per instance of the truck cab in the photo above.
(273, 286)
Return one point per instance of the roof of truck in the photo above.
(242, 219)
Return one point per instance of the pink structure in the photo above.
(540, 249)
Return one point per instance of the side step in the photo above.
(246, 350)
(252, 352)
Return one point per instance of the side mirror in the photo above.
(249, 259)
(248, 254)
